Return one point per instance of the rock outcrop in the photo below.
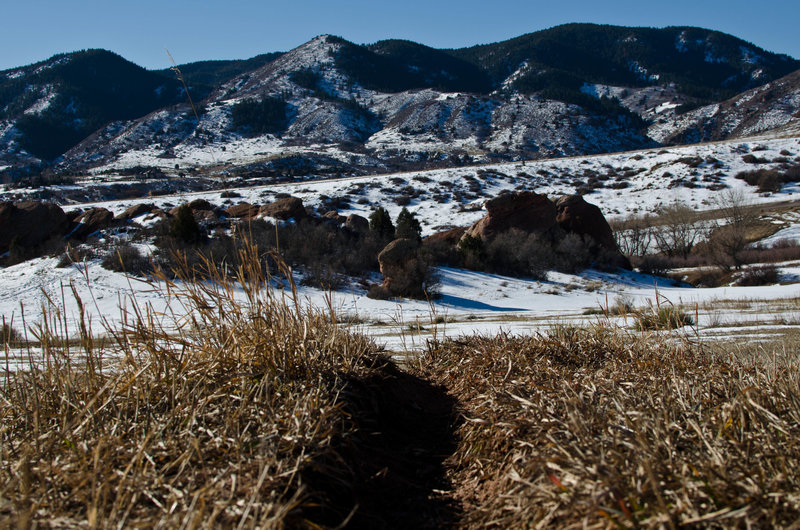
(403, 270)
(137, 210)
(202, 210)
(357, 223)
(576, 216)
(285, 209)
(91, 221)
(30, 223)
(242, 211)
(527, 211)
(449, 237)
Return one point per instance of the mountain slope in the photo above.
(213, 73)
(570, 90)
(776, 104)
(701, 63)
(50, 106)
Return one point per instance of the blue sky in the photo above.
(34, 30)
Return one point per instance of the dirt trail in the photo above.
(396, 475)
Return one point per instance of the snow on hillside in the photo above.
(470, 301)
(626, 183)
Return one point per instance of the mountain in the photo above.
(701, 63)
(332, 106)
(770, 106)
(213, 73)
(47, 107)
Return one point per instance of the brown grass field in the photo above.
(241, 408)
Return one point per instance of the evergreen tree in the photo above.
(381, 223)
(408, 226)
(184, 227)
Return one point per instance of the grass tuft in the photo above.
(213, 412)
(597, 428)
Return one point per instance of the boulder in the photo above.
(91, 221)
(30, 223)
(357, 223)
(449, 237)
(577, 216)
(333, 217)
(201, 205)
(403, 271)
(242, 211)
(202, 210)
(284, 209)
(526, 211)
(137, 210)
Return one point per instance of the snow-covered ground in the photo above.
(469, 302)
(652, 178)
(473, 302)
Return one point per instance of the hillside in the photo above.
(392, 105)
(48, 107)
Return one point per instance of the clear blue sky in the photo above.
(33, 30)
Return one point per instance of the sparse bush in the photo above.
(572, 254)
(676, 230)
(519, 254)
(72, 255)
(754, 276)
(9, 335)
(663, 317)
(654, 264)
(127, 258)
(753, 159)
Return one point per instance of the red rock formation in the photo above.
(526, 211)
(30, 223)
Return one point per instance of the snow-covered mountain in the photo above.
(333, 107)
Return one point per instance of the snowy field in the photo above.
(469, 302)
(472, 302)
(453, 196)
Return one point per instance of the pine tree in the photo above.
(381, 223)
(185, 227)
(408, 226)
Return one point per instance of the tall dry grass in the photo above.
(208, 414)
(597, 428)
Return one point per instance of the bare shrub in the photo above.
(633, 235)
(519, 254)
(764, 275)
(729, 238)
(676, 230)
(9, 335)
(127, 258)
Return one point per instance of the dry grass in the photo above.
(240, 407)
(597, 428)
(215, 414)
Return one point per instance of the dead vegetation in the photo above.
(597, 429)
(238, 407)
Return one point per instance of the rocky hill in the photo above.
(331, 106)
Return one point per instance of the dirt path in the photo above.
(396, 474)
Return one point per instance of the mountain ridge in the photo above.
(571, 89)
